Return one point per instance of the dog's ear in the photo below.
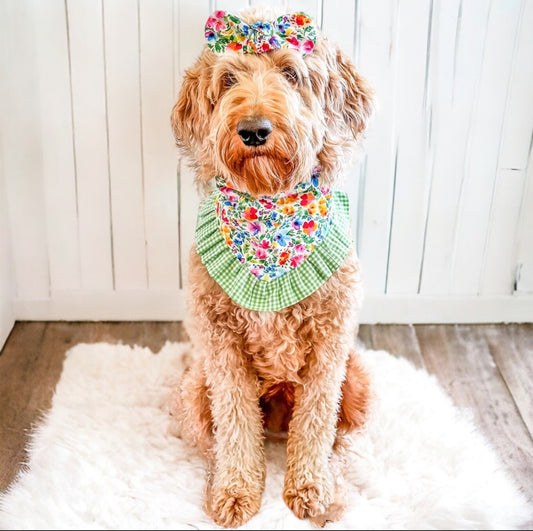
(190, 115)
(350, 94)
(347, 102)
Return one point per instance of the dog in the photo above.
(273, 111)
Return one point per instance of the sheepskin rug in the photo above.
(104, 456)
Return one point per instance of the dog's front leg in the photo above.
(309, 484)
(237, 472)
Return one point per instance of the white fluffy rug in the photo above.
(104, 458)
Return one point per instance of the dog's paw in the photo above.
(232, 507)
(334, 511)
(309, 500)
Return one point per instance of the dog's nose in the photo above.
(254, 131)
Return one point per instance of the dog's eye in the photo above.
(229, 79)
(290, 74)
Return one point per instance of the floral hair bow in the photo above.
(225, 31)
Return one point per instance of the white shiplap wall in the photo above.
(101, 211)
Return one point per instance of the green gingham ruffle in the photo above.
(250, 292)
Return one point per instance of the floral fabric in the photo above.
(271, 235)
(246, 289)
(225, 31)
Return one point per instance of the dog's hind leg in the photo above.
(355, 396)
(191, 409)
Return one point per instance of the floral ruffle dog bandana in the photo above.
(225, 31)
(272, 235)
(269, 252)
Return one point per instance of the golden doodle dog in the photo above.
(269, 114)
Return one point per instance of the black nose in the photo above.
(254, 131)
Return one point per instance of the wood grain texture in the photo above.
(467, 360)
(160, 159)
(31, 364)
(512, 349)
(515, 148)
(524, 259)
(484, 142)
(411, 125)
(58, 157)
(192, 15)
(400, 340)
(377, 55)
(16, 419)
(21, 150)
(89, 114)
(461, 359)
(499, 265)
(453, 79)
(99, 202)
(122, 75)
(151, 334)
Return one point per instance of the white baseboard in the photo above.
(127, 305)
(447, 309)
(169, 305)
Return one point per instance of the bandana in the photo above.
(269, 252)
(225, 31)
(272, 235)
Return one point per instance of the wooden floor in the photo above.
(486, 368)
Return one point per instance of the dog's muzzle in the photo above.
(254, 131)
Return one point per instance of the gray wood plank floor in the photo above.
(486, 368)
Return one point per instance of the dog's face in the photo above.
(264, 121)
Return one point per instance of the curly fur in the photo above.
(294, 373)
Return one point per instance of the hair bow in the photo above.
(225, 31)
